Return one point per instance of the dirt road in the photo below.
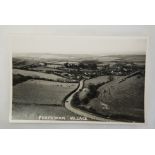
(79, 111)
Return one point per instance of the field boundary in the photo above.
(64, 99)
(133, 74)
(58, 105)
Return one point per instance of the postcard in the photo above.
(78, 79)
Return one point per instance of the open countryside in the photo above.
(79, 87)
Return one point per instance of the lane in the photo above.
(82, 112)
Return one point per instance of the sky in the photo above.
(78, 44)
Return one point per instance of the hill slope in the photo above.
(121, 100)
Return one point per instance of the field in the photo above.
(32, 112)
(37, 97)
(38, 74)
(41, 92)
(96, 80)
(122, 100)
(101, 80)
(93, 84)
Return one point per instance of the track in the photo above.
(79, 111)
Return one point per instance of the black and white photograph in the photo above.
(78, 79)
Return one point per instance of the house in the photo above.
(41, 64)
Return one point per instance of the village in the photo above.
(76, 71)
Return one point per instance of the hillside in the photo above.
(34, 74)
(121, 100)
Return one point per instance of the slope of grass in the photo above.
(34, 74)
(33, 112)
(124, 101)
(41, 92)
(96, 81)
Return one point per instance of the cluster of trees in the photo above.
(75, 100)
(20, 78)
(119, 69)
(81, 65)
(90, 95)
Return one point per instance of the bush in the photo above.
(110, 78)
(75, 99)
(20, 78)
(85, 100)
(93, 91)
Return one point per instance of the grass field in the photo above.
(121, 99)
(41, 92)
(91, 87)
(101, 79)
(96, 80)
(37, 97)
(32, 112)
(38, 74)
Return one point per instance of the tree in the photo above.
(93, 91)
(75, 99)
(110, 78)
(66, 64)
(81, 65)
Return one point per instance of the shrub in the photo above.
(75, 99)
(110, 78)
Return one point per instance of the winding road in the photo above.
(79, 111)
